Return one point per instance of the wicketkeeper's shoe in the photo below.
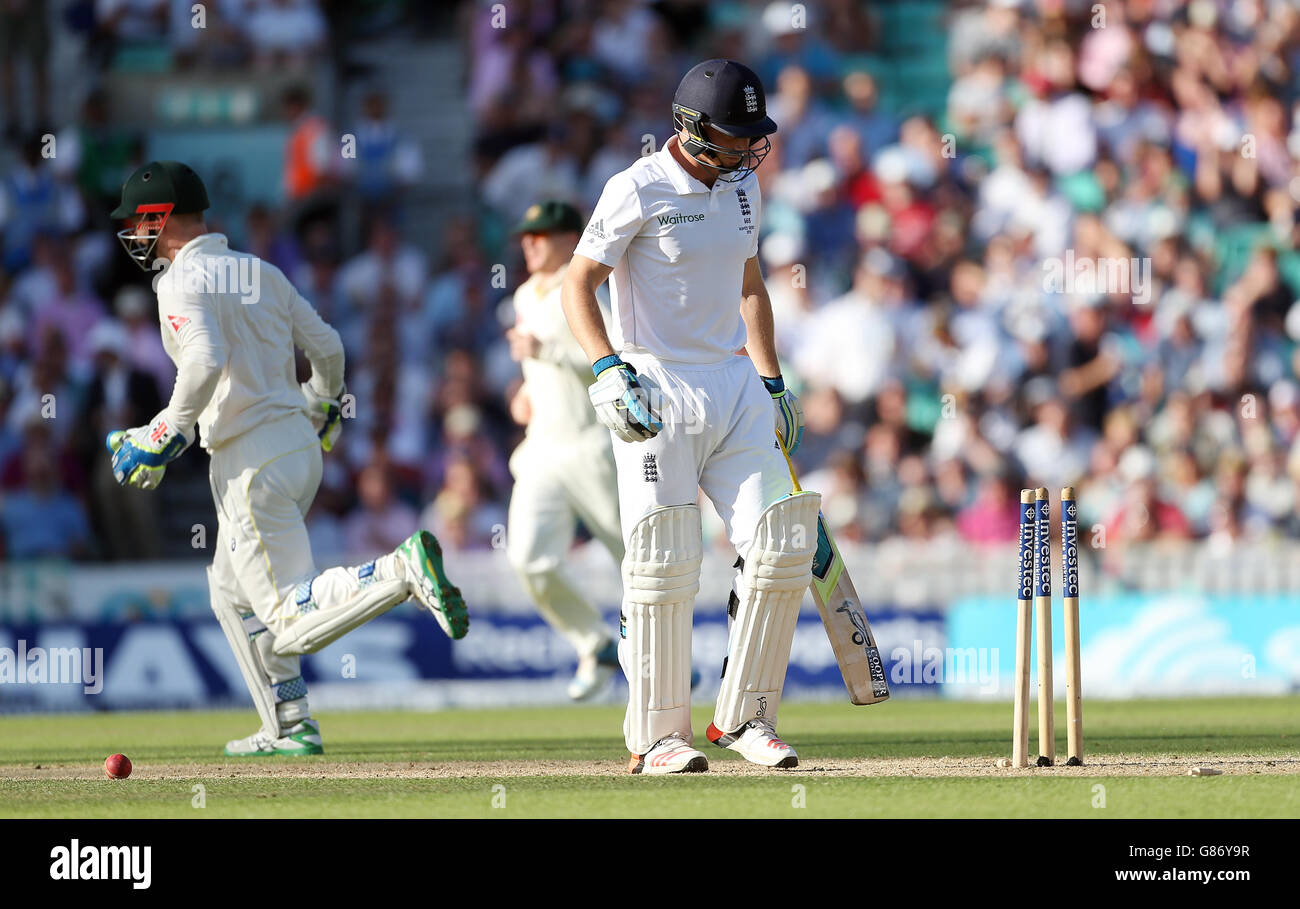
(757, 742)
(421, 557)
(594, 672)
(297, 741)
(671, 754)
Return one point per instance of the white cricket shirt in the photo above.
(556, 379)
(230, 322)
(678, 250)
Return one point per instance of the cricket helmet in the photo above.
(729, 97)
(152, 194)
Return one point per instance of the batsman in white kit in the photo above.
(563, 469)
(231, 322)
(677, 236)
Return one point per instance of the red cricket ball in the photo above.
(117, 766)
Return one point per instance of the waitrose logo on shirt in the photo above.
(665, 220)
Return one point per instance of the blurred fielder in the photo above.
(231, 322)
(563, 469)
(677, 234)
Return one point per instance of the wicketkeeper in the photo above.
(231, 322)
(677, 235)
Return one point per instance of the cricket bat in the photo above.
(842, 614)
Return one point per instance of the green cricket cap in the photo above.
(548, 216)
(162, 182)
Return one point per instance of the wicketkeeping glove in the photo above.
(621, 402)
(326, 415)
(789, 415)
(141, 454)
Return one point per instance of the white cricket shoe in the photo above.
(594, 672)
(757, 742)
(302, 739)
(671, 754)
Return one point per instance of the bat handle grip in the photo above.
(794, 478)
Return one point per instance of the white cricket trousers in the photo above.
(263, 483)
(272, 604)
(719, 436)
(558, 483)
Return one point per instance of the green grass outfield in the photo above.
(904, 758)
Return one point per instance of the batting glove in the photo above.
(789, 415)
(621, 402)
(141, 454)
(326, 415)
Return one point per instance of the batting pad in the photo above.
(275, 682)
(661, 576)
(322, 609)
(777, 571)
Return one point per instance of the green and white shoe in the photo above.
(298, 741)
(421, 557)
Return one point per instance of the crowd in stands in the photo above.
(1078, 267)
